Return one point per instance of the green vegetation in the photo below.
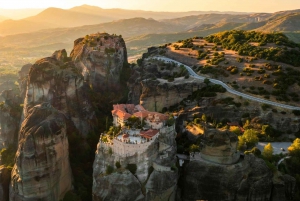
(268, 151)
(132, 168)
(118, 164)
(249, 138)
(208, 91)
(109, 169)
(188, 43)
(239, 41)
(254, 151)
(292, 165)
(8, 156)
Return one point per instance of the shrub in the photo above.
(132, 168)
(240, 60)
(8, 156)
(109, 169)
(118, 164)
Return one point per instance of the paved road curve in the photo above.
(230, 90)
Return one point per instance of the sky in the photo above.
(163, 5)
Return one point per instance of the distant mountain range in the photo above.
(83, 15)
(44, 36)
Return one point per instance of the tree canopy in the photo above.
(249, 137)
(294, 149)
(268, 151)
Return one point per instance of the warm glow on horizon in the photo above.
(165, 5)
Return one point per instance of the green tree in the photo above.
(109, 169)
(268, 151)
(267, 130)
(241, 143)
(132, 168)
(294, 149)
(206, 81)
(118, 164)
(250, 137)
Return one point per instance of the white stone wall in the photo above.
(154, 125)
(122, 149)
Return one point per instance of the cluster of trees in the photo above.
(188, 43)
(239, 41)
(232, 69)
(217, 58)
(209, 91)
(293, 164)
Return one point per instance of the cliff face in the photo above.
(153, 180)
(249, 179)
(42, 169)
(95, 66)
(158, 94)
(61, 96)
(10, 113)
(100, 57)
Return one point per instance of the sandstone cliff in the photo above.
(249, 179)
(10, 114)
(42, 170)
(158, 94)
(67, 83)
(62, 96)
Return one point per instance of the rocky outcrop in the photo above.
(120, 185)
(100, 57)
(154, 179)
(23, 79)
(281, 123)
(10, 114)
(283, 187)
(73, 88)
(67, 83)
(158, 94)
(220, 146)
(42, 170)
(249, 179)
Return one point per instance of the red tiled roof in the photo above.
(121, 114)
(125, 111)
(123, 107)
(125, 136)
(142, 114)
(149, 133)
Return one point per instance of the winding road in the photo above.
(229, 89)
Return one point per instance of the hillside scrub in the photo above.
(239, 41)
